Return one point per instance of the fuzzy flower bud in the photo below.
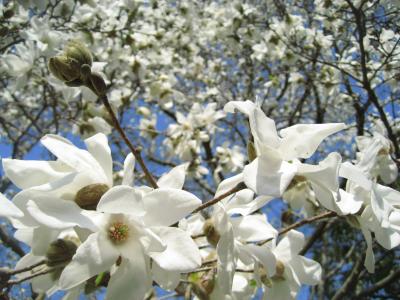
(88, 196)
(73, 66)
(60, 252)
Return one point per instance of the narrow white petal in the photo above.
(174, 179)
(306, 270)
(58, 213)
(129, 168)
(290, 245)
(132, 279)
(97, 146)
(28, 173)
(122, 199)
(253, 228)
(78, 159)
(228, 184)
(94, 256)
(369, 261)
(243, 106)
(269, 175)
(168, 280)
(263, 129)
(264, 256)
(353, 173)
(8, 209)
(302, 140)
(181, 253)
(167, 206)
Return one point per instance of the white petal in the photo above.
(58, 213)
(243, 203)
(269, 175)
(263, 129)
(166, 206)
(181, 254)
(28, 173)
(353, 173)
(348, 204)
(129, 170)
(122, 199)
(94, 256)
(168, 280)
(388, 170)
(379, 205)
(193, 224)
(253, 228)
(306, 270)
(97, 146)
(226, 265)
(243, 106)
(290, 245)
(174, 179)
(8, 209)
(151, 242)
(369, 261)
(78, 159)
(264, 256)
(302, 140)
(131, 280)
(228, 184)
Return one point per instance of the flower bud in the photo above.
(77, 51)
(97, 84)
(60, 252)
(73, 66)
(211, 232)
(264, 277)
(64, 68)
(279, 271)
(88, 196)
(251, 151)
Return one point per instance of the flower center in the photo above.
(118, 232)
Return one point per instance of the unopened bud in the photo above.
(251, 151)
(60, 252)
(64, 68)
(89, 196)
(211, 232)
(77, 51)
(264, 277)
(97, 84)
(279, 271)
(73, 66)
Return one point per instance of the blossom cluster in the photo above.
(319, 136)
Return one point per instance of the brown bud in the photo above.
(88, 196)
(211, 232)
(77, 51)
(64, 68)
(60, 252)
(279, 271)
(97, 84)
(251, 151)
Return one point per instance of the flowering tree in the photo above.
(230, 149)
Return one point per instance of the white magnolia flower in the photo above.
(272, 171)
(135, 227)
(379, 214)
(374, 157)
(291, 270)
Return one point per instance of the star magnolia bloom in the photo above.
(292, 270)
(272, 171)
(130, 226)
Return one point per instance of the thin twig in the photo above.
(232, 191)
(135, 151)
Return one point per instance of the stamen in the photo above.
(118, 232)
